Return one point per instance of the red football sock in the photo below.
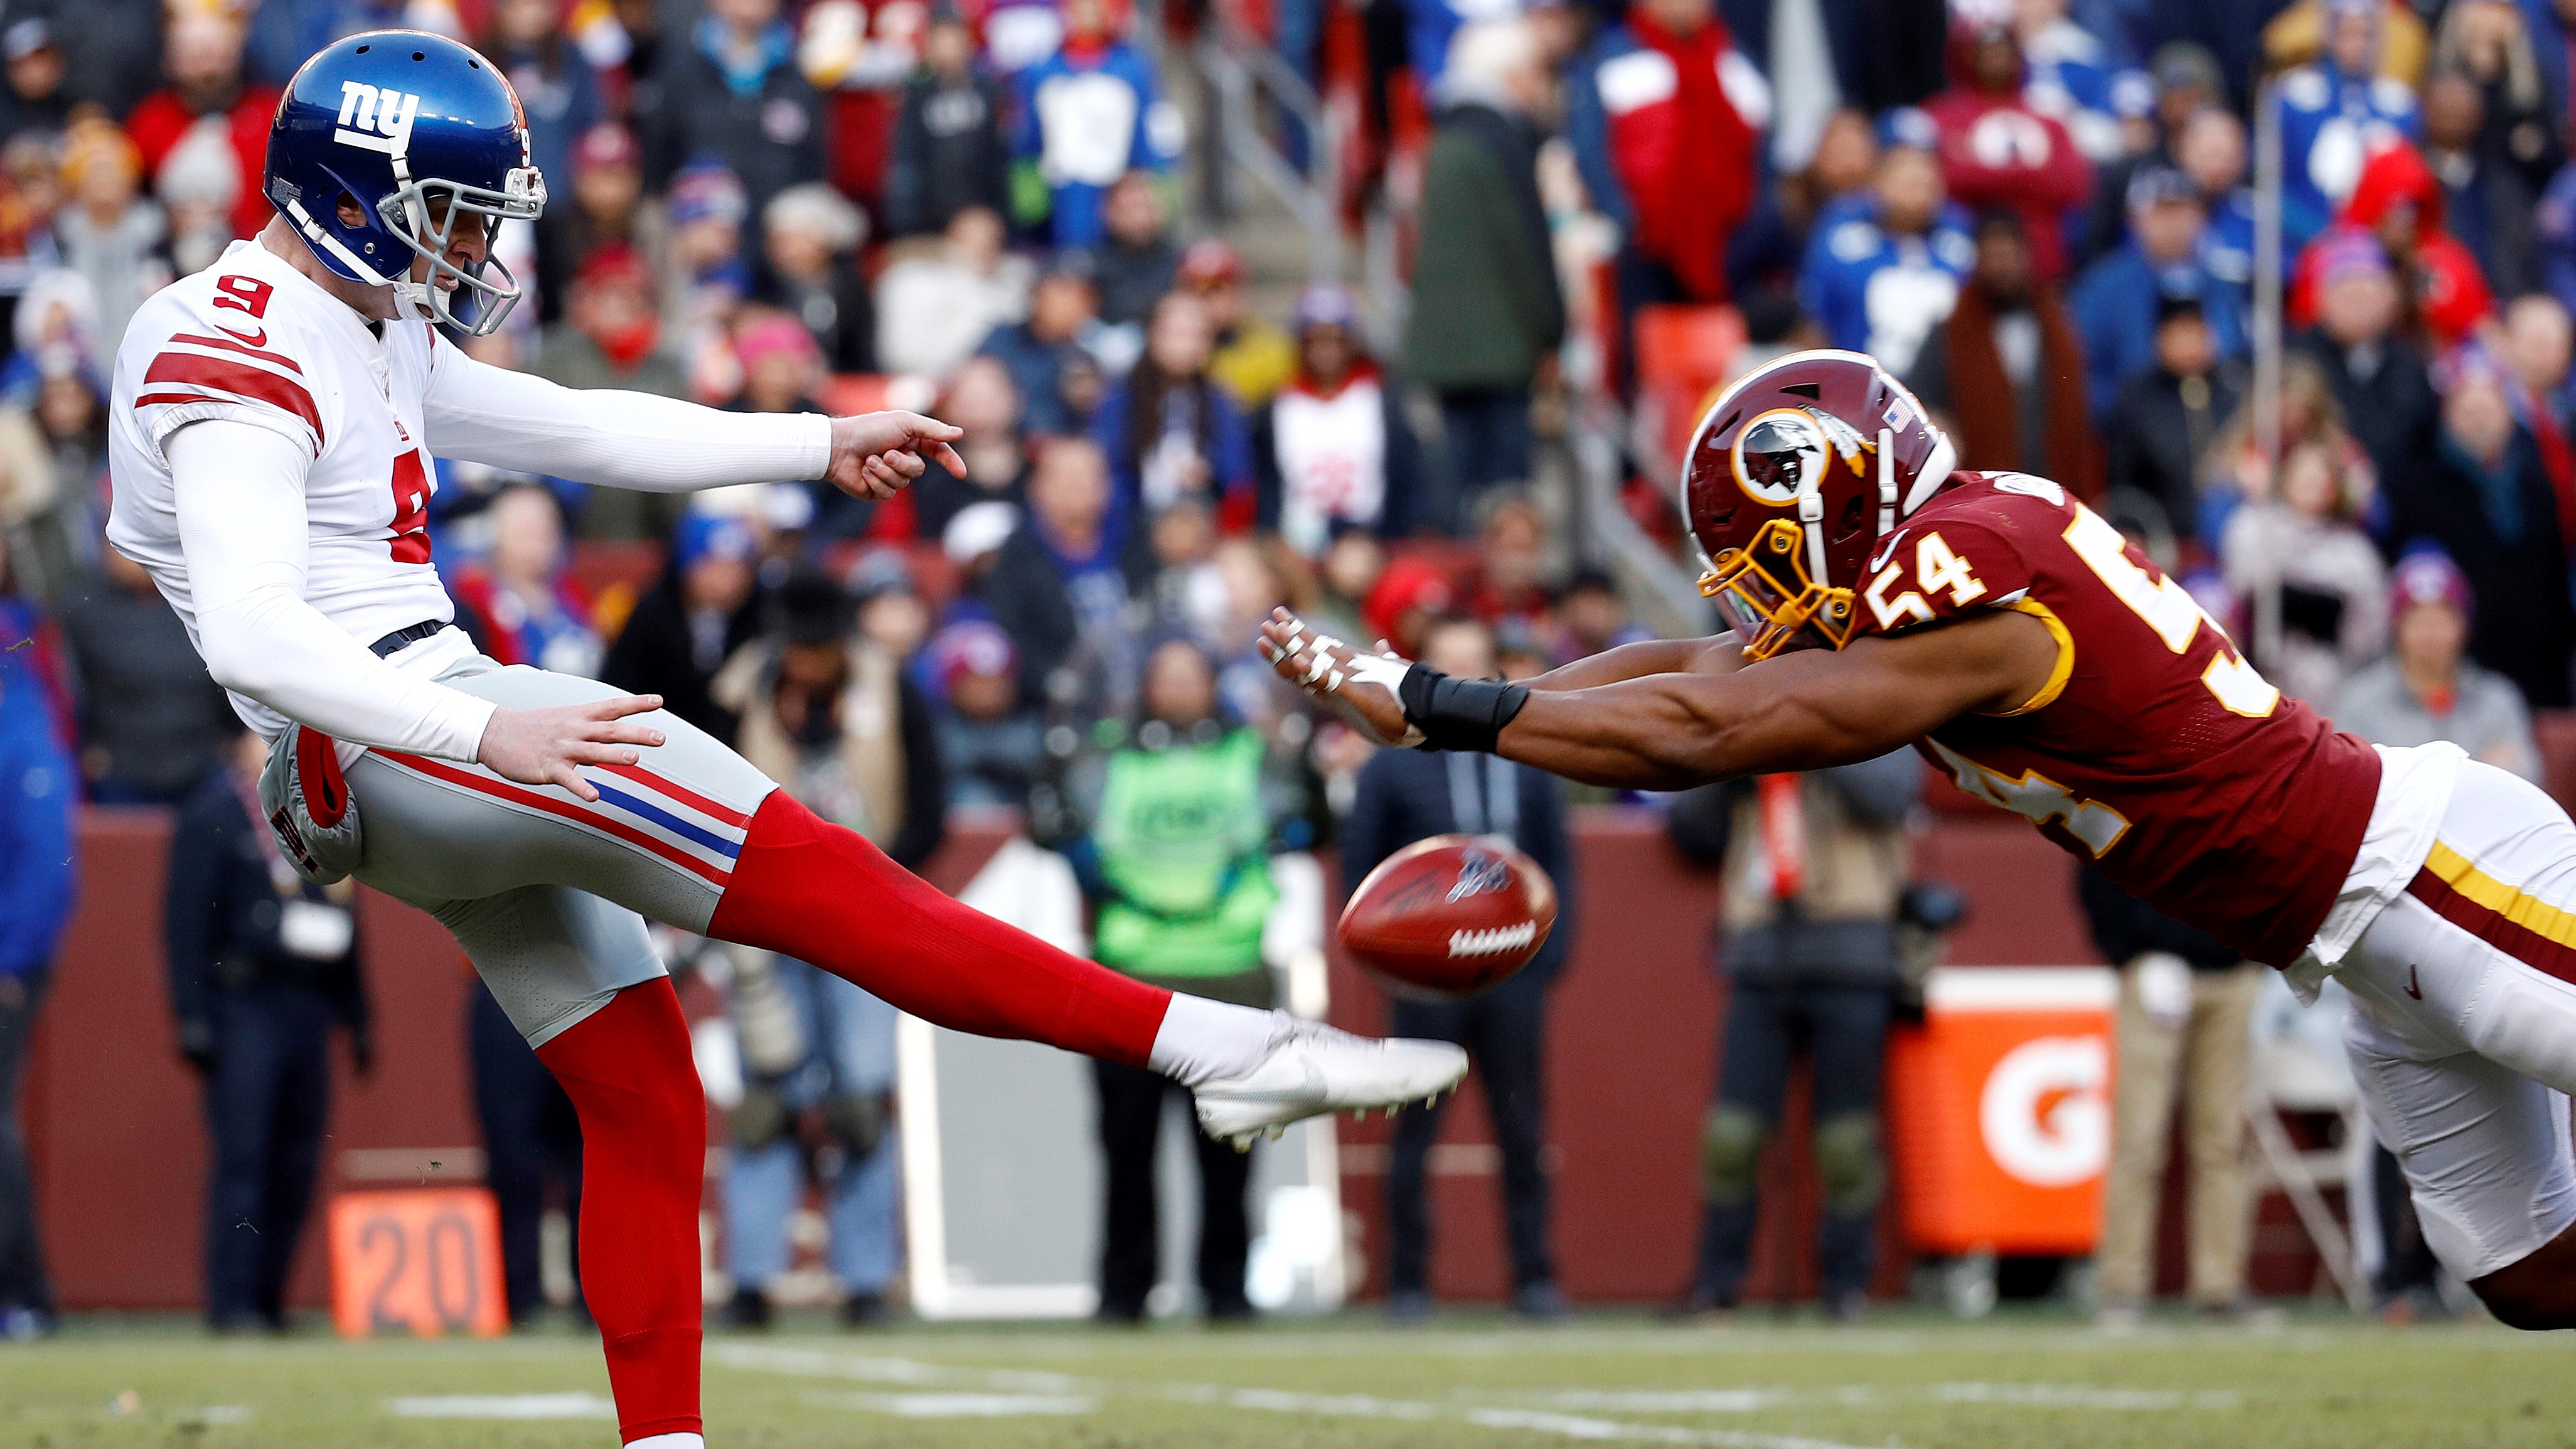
(812, 890)
(643, 1165)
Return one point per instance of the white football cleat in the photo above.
(1313, 1069)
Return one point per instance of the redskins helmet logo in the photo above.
(1777, 453)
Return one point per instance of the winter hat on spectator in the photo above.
(1909, 127)
(2153, 186)
(95, 143)
(978, 529)
(971, 647)
(606, 144)
(772, 334)
(878, 571)
(813, 608)
(614, 264)
(815, 208)
(1208, 264)
(202, 170)
(2426, 575)
(1325, 305)
(2346, 252)
(706, 189)
(703, 536)
(24, 38)
(1408, 585)
(2186, 65)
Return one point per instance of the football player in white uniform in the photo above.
(273, 421)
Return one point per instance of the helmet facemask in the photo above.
(423, 215)
(1775, 589)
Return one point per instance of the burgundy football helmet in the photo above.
(1792, 477)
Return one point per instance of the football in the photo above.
(1449, 916)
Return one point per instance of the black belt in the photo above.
(402, 639)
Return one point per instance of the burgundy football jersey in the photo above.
(2155, 750)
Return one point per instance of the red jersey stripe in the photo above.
(235, 344)
(239, 378)
(684, 795)
(562, 809)
(2512, 937)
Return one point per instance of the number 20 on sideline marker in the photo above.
(421, 1261)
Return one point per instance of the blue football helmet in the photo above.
(418, 131)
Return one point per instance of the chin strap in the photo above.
(1886, 480)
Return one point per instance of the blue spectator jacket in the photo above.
(38, 792)
(2330, 124)
(1883, 294)
(2115, 311)
(1086, 122)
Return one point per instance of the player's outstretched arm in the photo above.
(1718, 654)
(1673, 730)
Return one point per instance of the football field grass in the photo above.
(1906, 1379)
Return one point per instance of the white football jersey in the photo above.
(252, 340)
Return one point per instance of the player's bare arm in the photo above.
(1716, 654)
(1669, 731)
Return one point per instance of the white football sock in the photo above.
(669, 1441)
(1203, 1041)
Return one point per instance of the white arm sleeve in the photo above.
(240, 491)
(486, 414)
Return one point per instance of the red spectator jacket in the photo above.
(1995, 151)
(2450, 291)
(161, 121)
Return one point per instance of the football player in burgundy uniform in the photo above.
(1878, 596)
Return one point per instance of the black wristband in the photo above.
(1458, 714)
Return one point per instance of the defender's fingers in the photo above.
(947, 458)
(620, 706)
(596, 752)
(562, 773)
(610, 733)
(932, 429)
(908, 464)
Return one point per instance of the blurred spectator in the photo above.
(735, 94)
(1059, 383)
(707, 276)
(781, 371)
(1169, 431)
(2483, 496)
(2424, 692)
(557, 88)
(990, 740)
(1408, 594)
(1253, 358)
(286, 33)
(207, 95)
(611, 337)
(1666, 118)
(1333, 449)
(520, 602)
(31, 188)
(2210, 149)
(2008, 369)
(598, 205)
(34, 99)
(829, 714)
(1061, 575)
(2342, 108)
(981, 400)
(1136, 262)
(109, 232)
(2378, 378)
(2312, 585)
(2538, 343)
(934, 310)
(2185, 1027)
(55, 325)
(1348, 571)
(2488, 42)
(1089, 115)
(1177, 857)
(1509, 586)
(2167, 417)
(950, 152)
(2551, 27)
(199, 185)
(1997, 151)
(1408, 795)
(2071, 77)
(53, 477)
(263, 963)
(693, 618)
(1813, 867)
(1487, 315)
(1764, 254)
(531, 1140)
(151, 719)
(1591, 618)
(1175, 576)
(37, 800)
(2398, 40)
(2187, 82)
(2115, 301)
(1880, 276)
(2486, 203)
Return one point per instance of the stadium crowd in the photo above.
(2039, 212)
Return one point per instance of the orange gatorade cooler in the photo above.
(1999, 1110)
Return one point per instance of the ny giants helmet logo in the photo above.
(376, 120)
(1480, 872)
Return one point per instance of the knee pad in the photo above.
(761, 1118)
(1730, 1146)
(1849, 1169)
(858, 1121)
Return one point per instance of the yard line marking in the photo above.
(824, 1363)
(957, 1406)
(1668, 1401)
(2082, 1396)
(503, 1406)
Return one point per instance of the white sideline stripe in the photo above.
(957, 1406)
(1743, 1401)
(2082, 1396)
(825, 1364)
(503, 1406)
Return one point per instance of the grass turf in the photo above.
(1906, 1379)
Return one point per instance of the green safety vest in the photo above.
(1183, 842)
